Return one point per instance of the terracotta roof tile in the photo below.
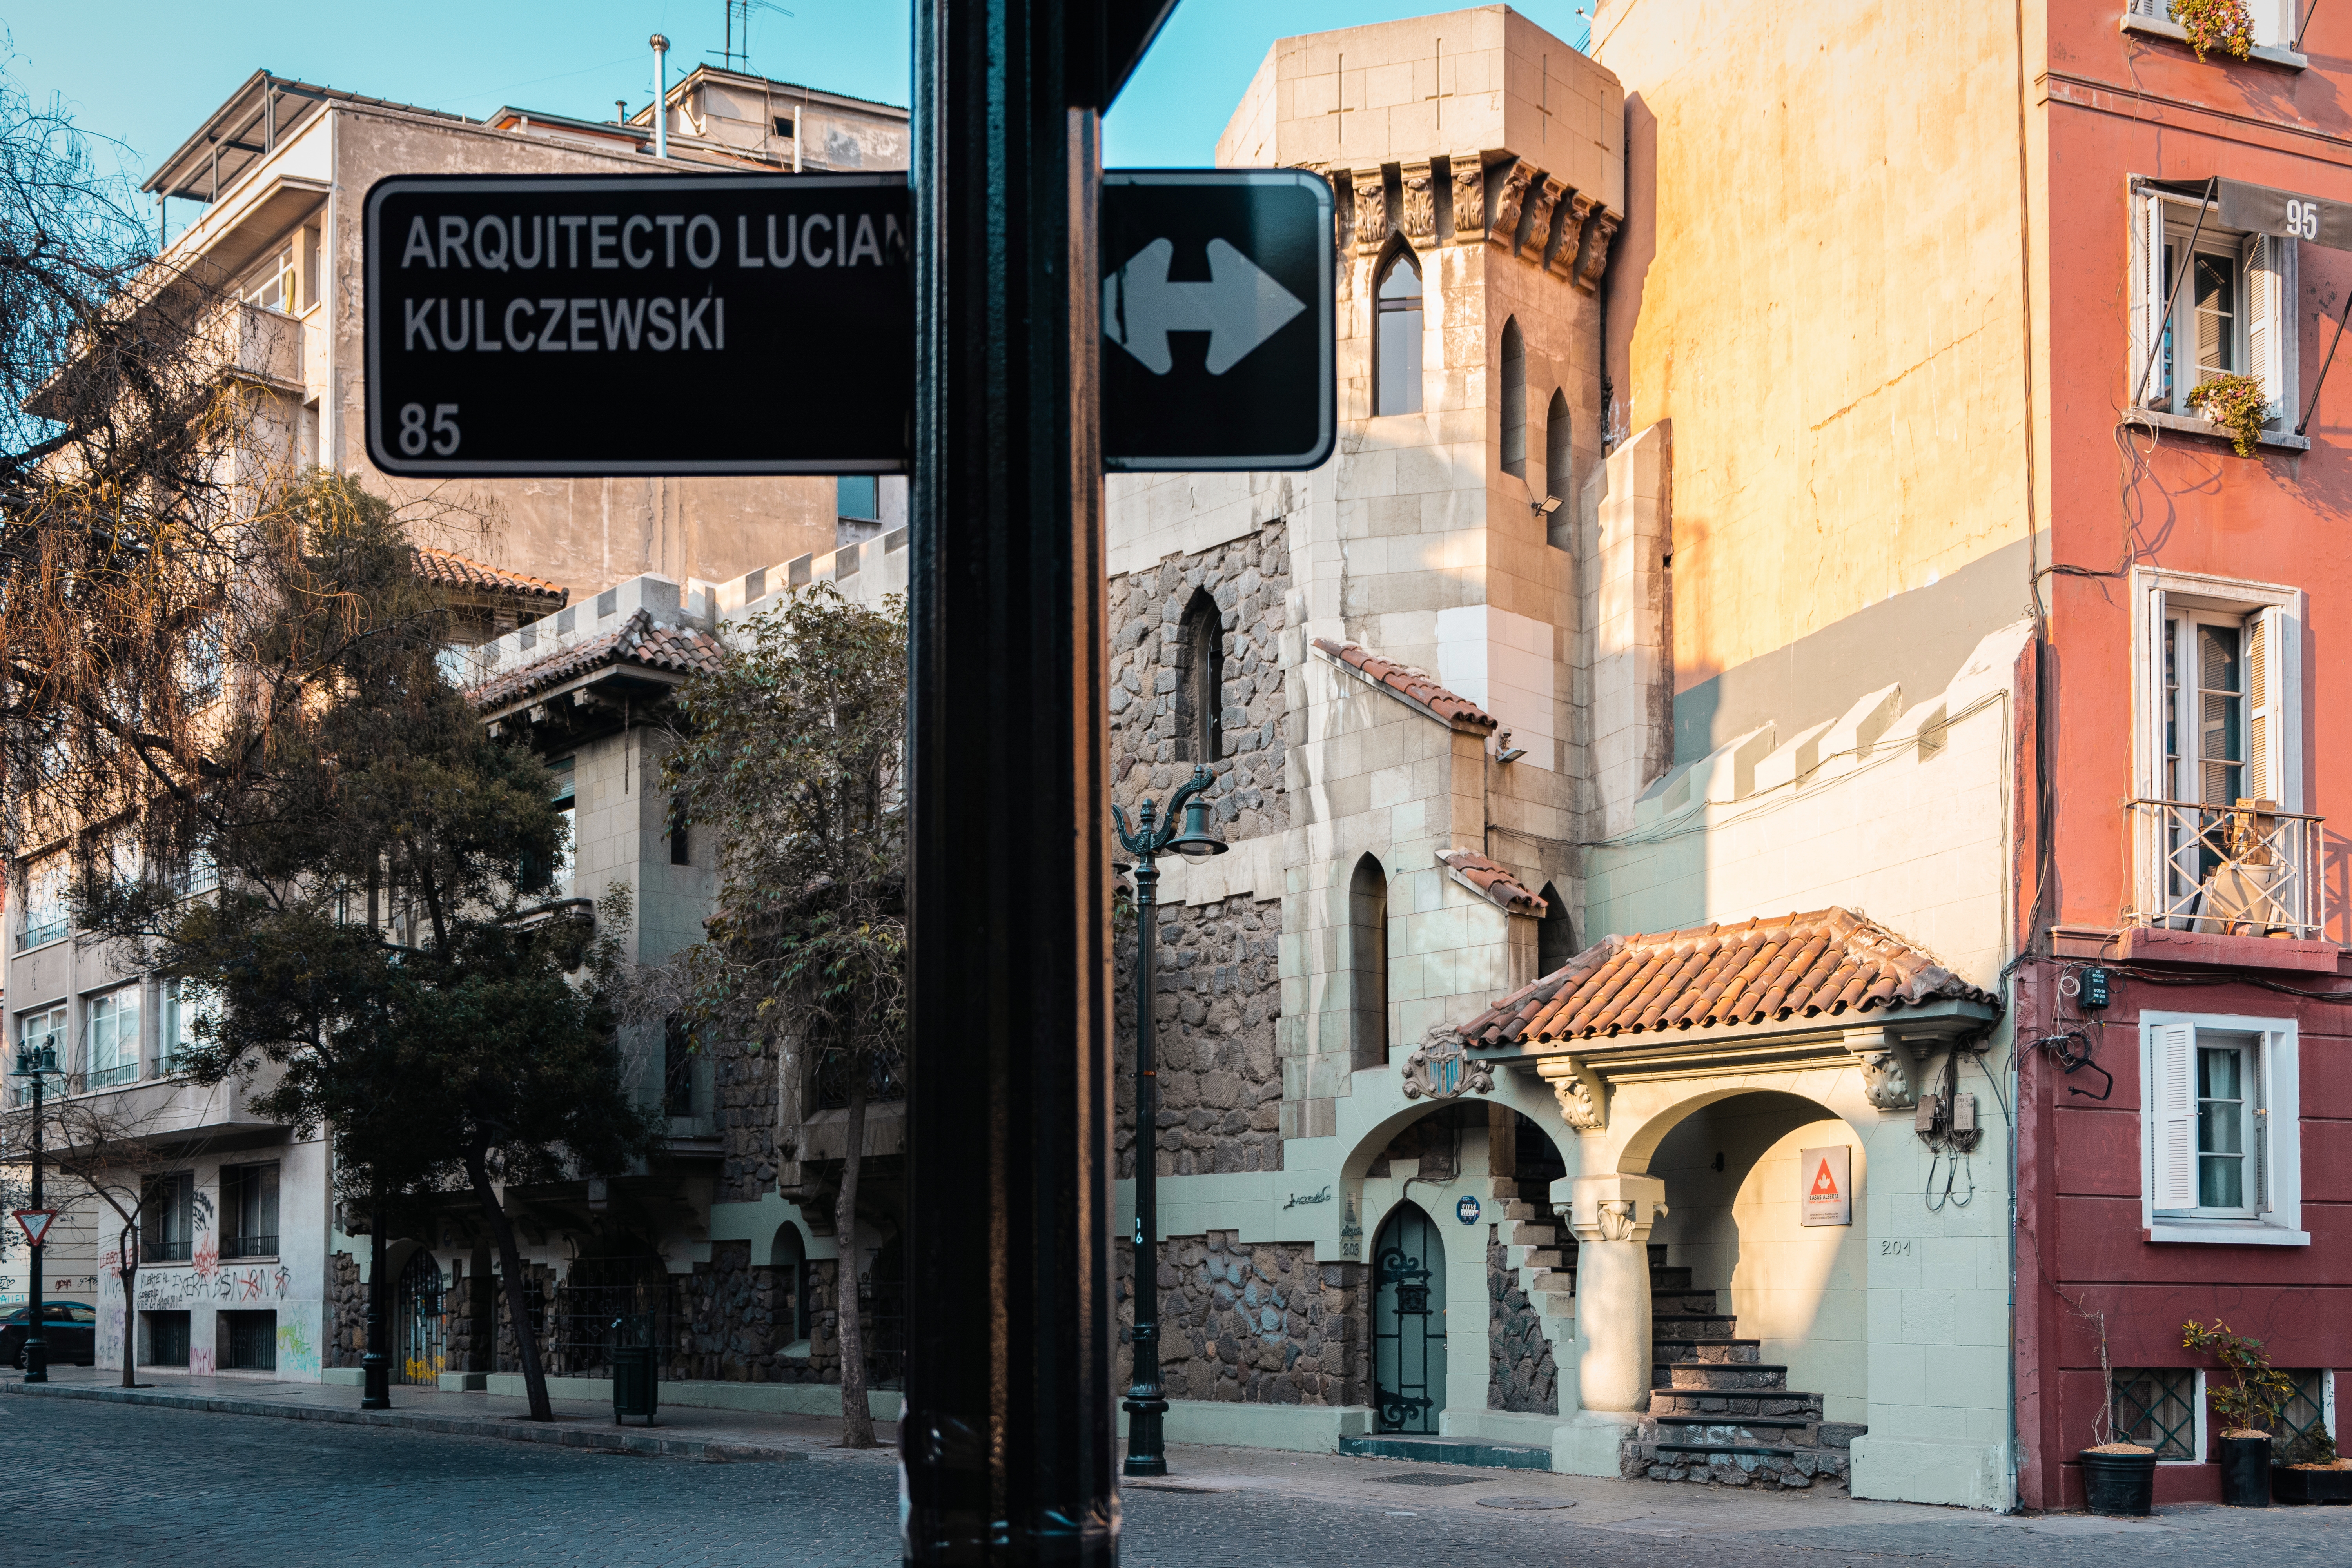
(1493, 882)
(1414, 686)
(640, 640)
(453, 571)
(1829, 962)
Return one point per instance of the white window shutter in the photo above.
(2159, 9)
(2172, 1092)
(2259, 1092)
(2270, 320)
(2148, 284)
(2267, 716)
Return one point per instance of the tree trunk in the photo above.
(857, 1416)
(129, 1256)
(534, 1376)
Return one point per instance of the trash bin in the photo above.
(634, 1377)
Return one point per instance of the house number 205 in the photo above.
(2303, 218)
(1894, 1249)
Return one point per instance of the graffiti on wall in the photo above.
(167, 1289)
(296, 1352)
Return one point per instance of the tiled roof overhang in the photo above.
(1412, 687)
(640, 646)
(1493, 882)
(1814, 976)
(447, 569)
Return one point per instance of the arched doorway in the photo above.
(1409, 1322)
(416, 1309)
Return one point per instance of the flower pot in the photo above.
(2121, 1484)
(2289, 1484)
(2246, 1472)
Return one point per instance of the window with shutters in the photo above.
(2278, 26)
(2223, 843)
(2223, 1133)
(2207, 301)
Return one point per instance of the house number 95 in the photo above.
(2303, 217)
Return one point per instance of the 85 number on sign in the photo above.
(441, 439)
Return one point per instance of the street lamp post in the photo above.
(1147, 1400)
(37, 1063)
(375, 1365)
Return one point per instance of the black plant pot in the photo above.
(2289, 1485)
(2121, 1484)
(2246, 1472)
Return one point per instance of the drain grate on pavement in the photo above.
(1527, 1502)
(1430, 1479)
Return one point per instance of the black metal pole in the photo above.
(1008, 1439)
(1147, 1400)
(36, 1344)
(375, 1365)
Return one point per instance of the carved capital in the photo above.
(1542, 197)
(1562, 263)
(1512, 195)
(1886, 1068)
(1372, 209)
(1469, 198)
(1583, 1097)
(1419, 219)
(1599, 230)
(1616, 1207)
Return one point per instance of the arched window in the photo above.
(790, 1259)
(1367, 960)
(1201, 681)
(1396, 336)
(1555, 933)
(1515, 400)
(1558, 469)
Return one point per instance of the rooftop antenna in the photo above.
(730, 54)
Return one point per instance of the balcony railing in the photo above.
(2228, 870)
(237, 1247)
(35, 935)
(108, 1078)
(153, 1251)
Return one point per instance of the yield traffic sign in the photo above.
(1217, 320)
(37, 1223)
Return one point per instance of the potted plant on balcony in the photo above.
(2226, 25)
(2307, 1469)
(2247, 1407)
(2236, 403)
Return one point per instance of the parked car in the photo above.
(69, 1327)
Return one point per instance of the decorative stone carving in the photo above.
(1505, 228)
(1542, 197)
(1372, 204)
(1419, 219)
(1438, 1071)
(1594, 257)
(1469, 198)
(1562, 263)
(1582, 1097)
(1886, 1068)
(1339, 208)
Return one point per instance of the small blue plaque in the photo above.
(1466, 1211)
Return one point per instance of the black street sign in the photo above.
(1217, 320)
(638, 324)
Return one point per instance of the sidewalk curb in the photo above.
(616, 1440)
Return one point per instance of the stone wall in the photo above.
(743, 1092)
(735, 1320)
(1248, 578)
(1520, 1374)
(1262, 1324)
(1220, 998)
(346, 1327)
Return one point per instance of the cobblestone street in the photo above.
(111, 1485)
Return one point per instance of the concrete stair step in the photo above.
(1529, 1233)
(1687, 1376)
(1678, 1278)
(1484, 1452)
(1747, 1431)
(1701, 1304)
(1725, 1352)
(1536, 1257)
(1777, 1467)
(1691, 1327)
(1504, 1187)
(1559, 1305)
(1718, 1404)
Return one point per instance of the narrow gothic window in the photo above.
(1555, 934)
(1367, 960)
(1515, 400)
(1558, 469)
(1201, 681)
(1396, 339)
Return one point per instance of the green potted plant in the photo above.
(2237, 403)
(2118, 1475)
(2308, 1470)
(2248, 1407)
(2226, 25)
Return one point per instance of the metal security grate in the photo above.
(2158, 1407)
(2306, 1409)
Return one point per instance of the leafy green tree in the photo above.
(379, 939)
(789, 756)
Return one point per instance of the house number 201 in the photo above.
(1894, 1249)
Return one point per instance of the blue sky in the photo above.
(147, 73)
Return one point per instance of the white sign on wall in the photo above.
(1828, 1178)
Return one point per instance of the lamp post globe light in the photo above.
(35, 1063)
(1147, 1400)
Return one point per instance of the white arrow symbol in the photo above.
(1239, 307)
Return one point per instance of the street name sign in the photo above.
(687, 324)
(596, 325)
(37, 1223)
(1217, 320)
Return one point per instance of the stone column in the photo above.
(1612, 1216)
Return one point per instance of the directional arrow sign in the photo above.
(37, 1223)
(1217, 320)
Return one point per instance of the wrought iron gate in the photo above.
(1409, 1322)
(416, 1311)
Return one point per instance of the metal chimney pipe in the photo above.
(661, 95)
